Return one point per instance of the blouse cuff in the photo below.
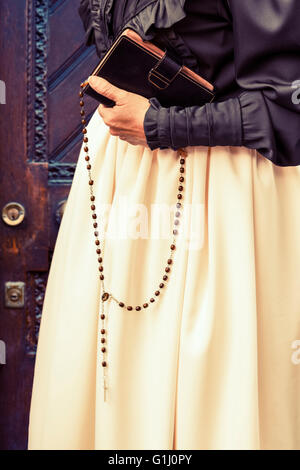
(157, 125)
(225, 123)
(257, 131)
(209, 125)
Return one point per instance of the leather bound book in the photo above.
(143, 68)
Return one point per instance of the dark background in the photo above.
(42, 62)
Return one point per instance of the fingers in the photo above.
(105, 88)
(101, 110)
(107, 115)
(114, 131)
(127, 138)
(120, 133)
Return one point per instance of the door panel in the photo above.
(65, 108)
(42, 62)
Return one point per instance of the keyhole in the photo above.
(13, 213)
(14, 296)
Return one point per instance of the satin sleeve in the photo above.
(265, 115)
(84, 11)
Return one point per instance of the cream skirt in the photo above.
(214, 363)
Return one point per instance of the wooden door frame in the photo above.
(27, 174)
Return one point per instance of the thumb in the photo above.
(105, 88)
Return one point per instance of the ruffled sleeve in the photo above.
(96, 16)
(84, 11)
(105, 20)
(209, 125)
(266, 115)
(158, 17)
(157, 14)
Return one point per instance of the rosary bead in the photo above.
(105, 296)
(104, 364)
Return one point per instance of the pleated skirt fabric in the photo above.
(214, 363)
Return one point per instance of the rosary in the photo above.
(105, 296)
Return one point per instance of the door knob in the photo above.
(13, 213)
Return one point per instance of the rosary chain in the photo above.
(106, 295)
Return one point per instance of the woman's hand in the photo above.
(126, 118)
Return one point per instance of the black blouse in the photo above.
(250, 50)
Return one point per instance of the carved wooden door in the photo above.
(42, 62)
